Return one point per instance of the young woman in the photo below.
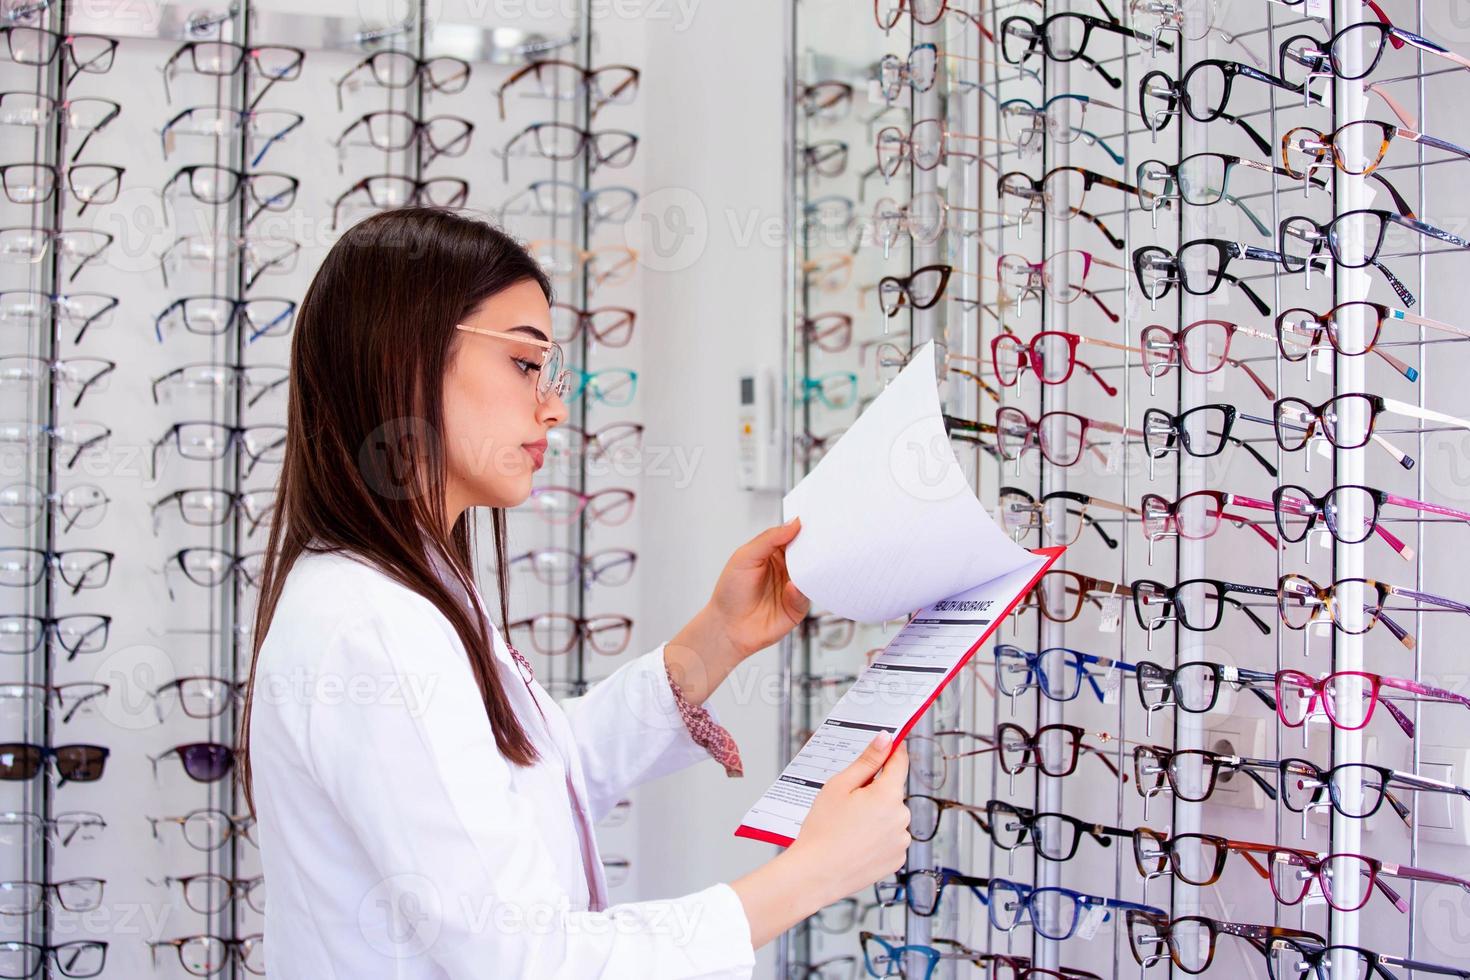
(424, 808)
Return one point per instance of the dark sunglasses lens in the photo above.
(207, 762)
(81, 763)
(19, 760)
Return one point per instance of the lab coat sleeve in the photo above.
(467, 882)
(629, 730)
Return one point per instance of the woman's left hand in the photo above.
(755, 597)
(754, 604)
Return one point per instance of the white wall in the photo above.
(711, 101)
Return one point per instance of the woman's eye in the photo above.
(526, 366)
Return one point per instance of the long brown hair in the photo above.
(364, 469)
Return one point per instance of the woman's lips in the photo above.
(537, 451)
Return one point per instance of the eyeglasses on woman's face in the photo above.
(552, 378)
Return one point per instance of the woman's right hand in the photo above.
(856, 832)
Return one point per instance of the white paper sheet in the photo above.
(888, 522)
(889, 695)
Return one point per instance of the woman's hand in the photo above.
(754, 604)
(754, 597)
(856, 833)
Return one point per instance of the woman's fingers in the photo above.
(763, 545)
(797, 604)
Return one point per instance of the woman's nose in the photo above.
(553, 411)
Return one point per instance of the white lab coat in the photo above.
(396, 840)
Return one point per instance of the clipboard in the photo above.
(918, 663)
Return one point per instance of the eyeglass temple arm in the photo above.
(1426, 784)
(1240, 520)
(1250, 131)
(1088, 136)
(1102, 382)
(1249, 766)
(1439, 144)
(1425, 44)
(1424, 414)
(1103, 758)
(1108, 539)
(1260, 623)
(1416, 966)
(1424, 690)
(1107, 310)
(1113, 239)
(1258, 682)
(1251, 294)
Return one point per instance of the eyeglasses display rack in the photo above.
(171, 185)
(1196, 306)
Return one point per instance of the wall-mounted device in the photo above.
(760, 456)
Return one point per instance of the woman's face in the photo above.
(494, 425)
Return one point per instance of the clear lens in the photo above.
(1012, 432)
(923, 817)
(1056, 836)
(1202, 178)
(1203, 430)
(1205, 91)
(1198, 686)
(1195, 857)
(1192, 775)
(1061, 437)
(1355, 237)
(1301, 786)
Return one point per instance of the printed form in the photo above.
(890, 694)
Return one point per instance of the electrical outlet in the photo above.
(1444, 817)
(1237, 736)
